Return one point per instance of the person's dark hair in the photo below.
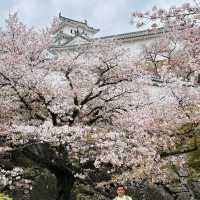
(118, 186)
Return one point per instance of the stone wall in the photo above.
(39, 183)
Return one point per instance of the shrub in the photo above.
(4, 197)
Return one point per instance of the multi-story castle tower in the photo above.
(73, 32)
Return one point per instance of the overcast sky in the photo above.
(110, 16)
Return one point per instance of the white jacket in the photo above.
(125, 197)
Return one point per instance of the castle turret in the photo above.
(72, 27)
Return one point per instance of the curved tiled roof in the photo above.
(135, 35)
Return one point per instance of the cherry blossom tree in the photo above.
(174, 57)
(95, 105)
(67, 101)
(180, 26)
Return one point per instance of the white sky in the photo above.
(110, 16)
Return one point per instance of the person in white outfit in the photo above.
(121, 193)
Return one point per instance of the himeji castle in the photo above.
(72, 33)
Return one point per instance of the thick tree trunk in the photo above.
(65, 183)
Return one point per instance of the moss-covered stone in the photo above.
(185, 128)
(44, 186)
(194, 157)
(83, 192)
(86, 192)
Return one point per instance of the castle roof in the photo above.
(84, 25)
(137, 35)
